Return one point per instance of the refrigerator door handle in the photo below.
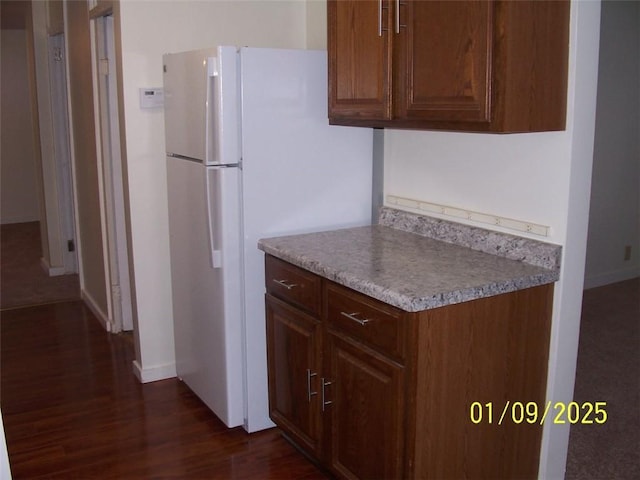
(215, 256)
(212, 117)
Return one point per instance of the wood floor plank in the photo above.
(72, 408)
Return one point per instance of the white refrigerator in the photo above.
(250, 154)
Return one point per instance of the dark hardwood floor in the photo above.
(73, 409)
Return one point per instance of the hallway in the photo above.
(23, 281)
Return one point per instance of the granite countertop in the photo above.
(417, 263)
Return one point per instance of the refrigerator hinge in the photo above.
(212, 66)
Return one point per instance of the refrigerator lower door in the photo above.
(206, 283)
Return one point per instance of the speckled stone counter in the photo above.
(417, 263)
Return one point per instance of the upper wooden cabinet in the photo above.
(494, 66)
(359, 60)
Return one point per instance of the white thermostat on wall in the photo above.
(151, 97)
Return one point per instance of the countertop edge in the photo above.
(404, 302)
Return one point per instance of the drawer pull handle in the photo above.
(309, 392)
(324, 401)
(354, 316)
(285, 284)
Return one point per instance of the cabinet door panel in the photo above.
(359, 58)
(366, 412)
(293, 343)
(444, 52)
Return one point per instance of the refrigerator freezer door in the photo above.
(186, 84)
(226, 108)
(203, 222)
(201, 105)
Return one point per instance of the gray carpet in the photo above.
(608, 370)
(23, 282)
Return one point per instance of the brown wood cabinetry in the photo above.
(294, 344)
(371, 391)
(495, 66)
(294, 333)
(364, 361)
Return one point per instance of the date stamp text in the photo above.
(586, 413)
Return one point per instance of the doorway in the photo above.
(113, 197)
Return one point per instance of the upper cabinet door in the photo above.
(443, 57)
(466, 65)
(359, 59)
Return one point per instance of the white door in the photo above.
(121, 313)
(62, 153)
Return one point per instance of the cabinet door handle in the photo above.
(285, 284)
(354, 316)
(325, 402)
(379, 18)
(309, 392)
(397, 16)
(398, 3)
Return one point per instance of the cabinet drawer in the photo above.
(292, 284)
(367, 320)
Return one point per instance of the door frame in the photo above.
(113, 206)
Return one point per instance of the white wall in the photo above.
(614, 218)
(147, 31)
(19, 201)
(85, 165)
(316, 24)
(542, 178)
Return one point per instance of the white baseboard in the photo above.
(49, 270)
(153, 374)
(611, 277)
(97, 311)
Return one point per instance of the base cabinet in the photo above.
(294, 348)
(366, 414)
(371, 391)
